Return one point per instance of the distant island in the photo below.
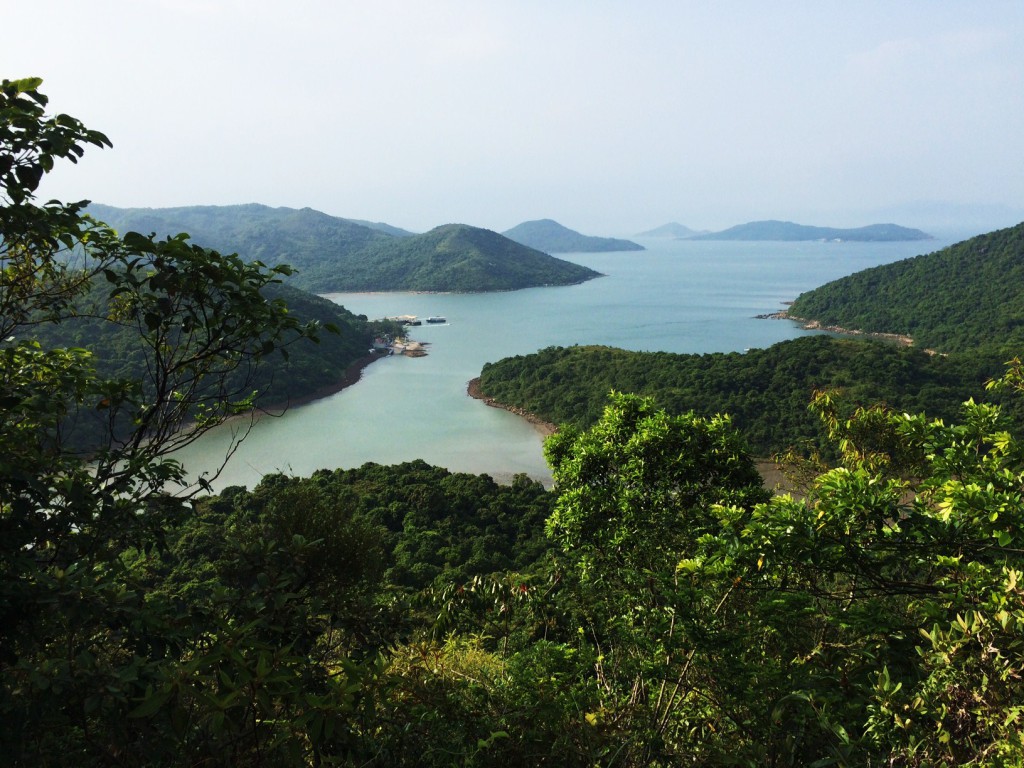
(788, 231)
(333, 254)
(672, 229)
(551, 237)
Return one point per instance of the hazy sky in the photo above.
(611, 117)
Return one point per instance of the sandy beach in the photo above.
(544, 427)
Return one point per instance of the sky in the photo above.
(611, 117)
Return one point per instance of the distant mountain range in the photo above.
(551, 237)
(788, 231)
(672, 229)
(336, 254)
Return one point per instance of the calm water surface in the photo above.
(678, 296)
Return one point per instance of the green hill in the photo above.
(459, 258)
(787, 230)
(766, 391)
(335, 254)
(967, 295)
(308, 369)
(551, 237)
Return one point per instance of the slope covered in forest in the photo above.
(453, 257)
(967, 295)
(306, 370)
(334, 254)
(766, 391)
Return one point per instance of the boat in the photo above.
(436, 320)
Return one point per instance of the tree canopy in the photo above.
(765, 391)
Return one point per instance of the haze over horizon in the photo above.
(610, 118)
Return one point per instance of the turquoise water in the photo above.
(678, 296)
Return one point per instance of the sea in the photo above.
(683, 296)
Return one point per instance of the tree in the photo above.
(875, 619)
(900, 570)
(637, 493)
(91, 667)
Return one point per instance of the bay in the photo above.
(677, 296)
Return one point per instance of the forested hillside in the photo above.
(304, 238)
(302, 370)
(766, 391)
(453, 257)
(332, 254)
(965, 296)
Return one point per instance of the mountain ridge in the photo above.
(333, 254)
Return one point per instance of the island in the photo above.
(672, 230)
(551, 237)
(788, 231)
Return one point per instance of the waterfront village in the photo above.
(404, 345)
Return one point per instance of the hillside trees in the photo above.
(962, 298)
(92, 668)
(877, 619)
(765, 391)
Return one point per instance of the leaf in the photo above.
(150, 705)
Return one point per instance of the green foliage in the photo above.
(332, 254)
(957, 299)
(98, 664)
(915, 585)
(875, 620)
(298, 370)
(637, 494)
(765, 391)
(437, 527)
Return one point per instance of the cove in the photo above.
(677, 296)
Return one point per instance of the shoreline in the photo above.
(544, 427)
(352, 374)
(816, 325)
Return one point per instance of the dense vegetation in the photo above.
(300, 371)
(551, 237)
(454, 257)
(787, 230)
(765, 391)
(673, 613)
(334, 254)
(967, 295)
